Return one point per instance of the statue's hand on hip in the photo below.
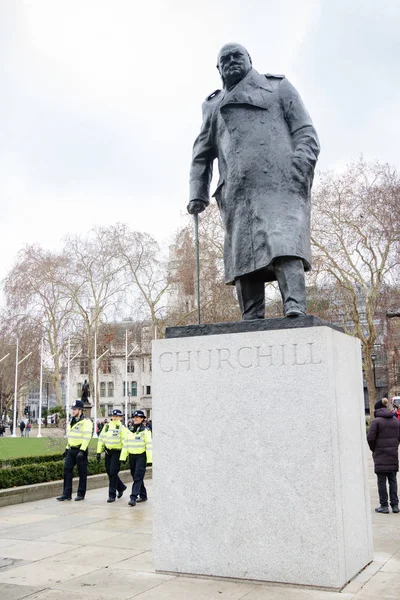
(300, 170)
(196, 206)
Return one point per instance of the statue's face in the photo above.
(233, 64)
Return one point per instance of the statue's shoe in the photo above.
(294, 312)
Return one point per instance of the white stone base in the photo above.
(260, 457)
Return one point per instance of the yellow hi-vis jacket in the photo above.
(80, 433)
(138, 442)
(112, 436)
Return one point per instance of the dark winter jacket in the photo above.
(383, 439)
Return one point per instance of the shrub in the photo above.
(29, 460)
(15, 476)
(34, 460)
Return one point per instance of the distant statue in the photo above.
(85, 392)
(267, 148)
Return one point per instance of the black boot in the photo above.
(62, 498)
(132, 502)
(79, 498)
(139, 499)
(111, 499)
(382, 509)
(395, 509)
(119, 495)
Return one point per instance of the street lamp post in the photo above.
(126, 373)
(17, 363)
(1, 387)
(373, 358)
(67, 396)
(39, 434)
(96, 359)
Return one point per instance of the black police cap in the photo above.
(78, 404)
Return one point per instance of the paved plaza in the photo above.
(96, 551)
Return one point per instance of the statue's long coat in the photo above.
(256, 131)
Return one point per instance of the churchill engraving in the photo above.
(263, 138)
(244, 357)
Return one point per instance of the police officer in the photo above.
(111, 440)
(138, 445)
(79, 433)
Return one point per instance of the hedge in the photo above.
(40, 472)
(30, 460)
(34, 460)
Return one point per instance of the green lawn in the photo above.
(17, 447)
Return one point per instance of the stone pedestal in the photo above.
(260, 456)
(87, 409)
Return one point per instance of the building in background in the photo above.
(112, 370)
(31, 399)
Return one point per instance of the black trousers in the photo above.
(382, 488)
(82, 465)
(112, 468)
(289, 273)
(137, 464)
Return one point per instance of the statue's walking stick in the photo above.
(196, 242)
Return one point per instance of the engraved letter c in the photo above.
(244, 365)
(165, 370)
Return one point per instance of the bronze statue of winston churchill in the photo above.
(267, 148)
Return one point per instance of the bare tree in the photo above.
(32, 289)
(355, 237)
(146, 275)
(95, 284)
(29, 337)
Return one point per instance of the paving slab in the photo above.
(94, 556)
(32, 550)
(383, 586)
(107, 584)
(45, 527)
(392, 565)
(23, 519)
(269, 592)
(362, 578)
(10, 563)
(185, 588)
(140, 562)
(17, 592)
(140, 542)
(42, 574)
(52, 594)
(7, 543)
(78, 536)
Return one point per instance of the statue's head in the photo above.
(234, 62)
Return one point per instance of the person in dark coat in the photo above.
(383, 439)
(267, 148)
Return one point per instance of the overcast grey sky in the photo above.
(101, 99)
